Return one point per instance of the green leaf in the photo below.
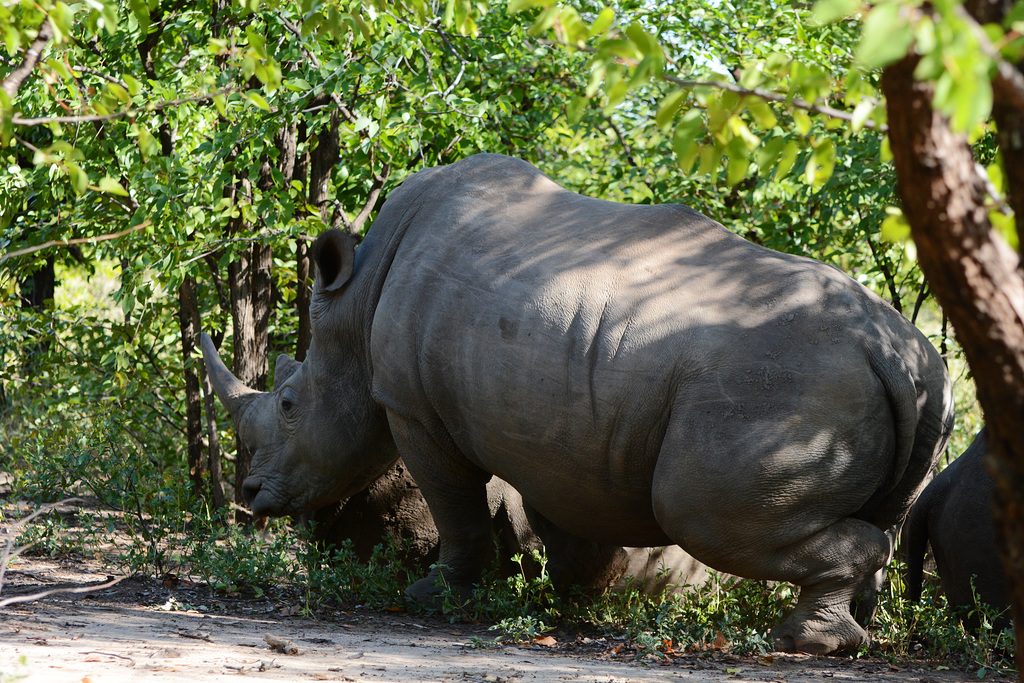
(574, 110)
(1006, 226)
(763, 114)
(895, 227)
(134, 85)
(111, 186)
(79, 178)
(861, 113)
(828, 11)
(141, 11)
(768, 153)
(669, 107)
(604, 19)
(645, 43)
(258, 100)
(520, 5)
(684, 139)
(885, 37)
(821, 163)
(802, 121)
(148, 145)
(118, 92)
(739, 161)
(256, 42)
(787, 160)
(12, 40)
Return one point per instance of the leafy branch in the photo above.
(98, 118)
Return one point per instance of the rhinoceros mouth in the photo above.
(261, 501)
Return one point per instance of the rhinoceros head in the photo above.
(317, 437)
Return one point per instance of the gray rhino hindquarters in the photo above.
(640, 374)
(954, 513)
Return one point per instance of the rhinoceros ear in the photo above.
(334, 252)
(284, 368)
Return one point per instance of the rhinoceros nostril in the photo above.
(251, 487)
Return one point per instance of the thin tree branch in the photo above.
(356, 226)
(44, 120)
(32, 56)
(77, 240)
(768, 95)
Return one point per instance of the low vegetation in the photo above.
(140, 519)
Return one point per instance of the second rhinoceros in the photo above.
(640, 374)
(954, 514)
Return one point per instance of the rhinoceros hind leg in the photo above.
(456, 493)
(839, 561)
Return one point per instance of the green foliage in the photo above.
(931, 627)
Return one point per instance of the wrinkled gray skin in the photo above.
(954, 513)
(640, 374)
(392, 507)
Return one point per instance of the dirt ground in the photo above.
(144, 630)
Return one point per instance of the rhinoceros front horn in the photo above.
(232, 392)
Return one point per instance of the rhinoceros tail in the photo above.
(920, 401)
(902, 391)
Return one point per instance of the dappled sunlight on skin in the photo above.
(640, 374)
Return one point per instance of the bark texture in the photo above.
(976, 278)
(188, 321)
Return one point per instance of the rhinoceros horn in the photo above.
(231, 391)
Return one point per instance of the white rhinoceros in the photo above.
(640, 374)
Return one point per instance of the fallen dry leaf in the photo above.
(545, 641)
(766, 660)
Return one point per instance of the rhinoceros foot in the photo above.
(834, 633)
(436, 591)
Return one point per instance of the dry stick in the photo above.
(77, 240)
(11, 551)
(55, 591)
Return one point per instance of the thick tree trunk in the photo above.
(188, 320)
(976, 278)
(249, 284)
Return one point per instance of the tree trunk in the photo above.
(34, 292)
(975, 276)
(249, 285)
(188, 320)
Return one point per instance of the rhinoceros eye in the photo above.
(287, 402)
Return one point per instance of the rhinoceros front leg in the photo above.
(456, 493)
